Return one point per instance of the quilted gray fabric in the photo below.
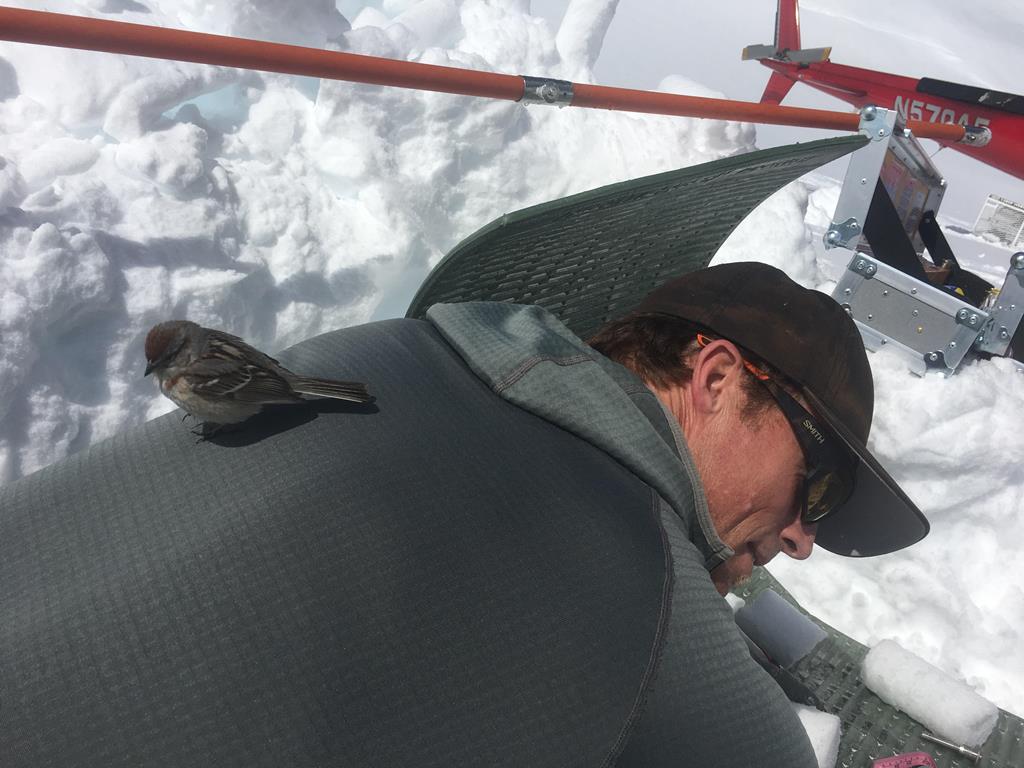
(333, 585)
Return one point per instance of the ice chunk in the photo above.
(734, 602)
(433, 22)
(581, 33)
(948, 707)
(12, 184)
(370, 17)
(781, 631)
(138, 106)
(824, 731)
(8, 80)
(174, 158)
(307, 22)
(59, 157)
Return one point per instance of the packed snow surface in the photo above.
(134, 191)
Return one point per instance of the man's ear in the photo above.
(717, 372)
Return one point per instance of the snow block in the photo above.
(781, 631)
(947, 707)
(735, 602)
(824, 731)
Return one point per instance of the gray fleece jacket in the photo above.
(503, 561)
(710, 703)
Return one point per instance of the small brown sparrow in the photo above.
(219, 379)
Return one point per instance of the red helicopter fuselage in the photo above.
(935, 101)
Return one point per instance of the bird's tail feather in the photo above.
(339, 390)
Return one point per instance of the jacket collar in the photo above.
(529, 358)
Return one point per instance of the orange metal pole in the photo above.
(44, 28)
(604, 97)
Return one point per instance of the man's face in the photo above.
(753, 472)
(752, 467)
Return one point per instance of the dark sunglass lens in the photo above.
(819, 499)
(827, 486)
(826, 492)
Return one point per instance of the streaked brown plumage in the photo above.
(219, 379)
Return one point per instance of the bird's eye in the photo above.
(172, 352)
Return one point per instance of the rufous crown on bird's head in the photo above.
(164, 340)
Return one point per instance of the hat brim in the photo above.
(879, 517)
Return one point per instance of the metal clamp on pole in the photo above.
(543, 90)
(976, 136)
(878, 124)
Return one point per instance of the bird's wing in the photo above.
(220, 372)
(227, 340)
(245, 383)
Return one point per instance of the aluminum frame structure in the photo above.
(889, 198)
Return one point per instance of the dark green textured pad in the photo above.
(871, 728)
(591, 257)
(334, 585)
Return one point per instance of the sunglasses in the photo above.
(830, 469)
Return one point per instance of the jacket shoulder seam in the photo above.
(524, 367)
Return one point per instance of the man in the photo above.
(513, 557)
(814, 407)
(779, 447)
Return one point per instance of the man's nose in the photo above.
(798, 539)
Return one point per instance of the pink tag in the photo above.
(909, 760)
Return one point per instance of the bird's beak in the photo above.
(149, 370)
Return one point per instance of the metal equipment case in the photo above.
(903, 285)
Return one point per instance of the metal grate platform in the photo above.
(872, 728)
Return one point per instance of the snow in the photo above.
(945, 706)
(581, 34)
(134, 191)
(735, 602)
(824, 731)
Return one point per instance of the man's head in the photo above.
(772, 388)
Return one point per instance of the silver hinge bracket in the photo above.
(843, 235)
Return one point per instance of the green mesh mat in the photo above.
(871, 728)
(591, 257)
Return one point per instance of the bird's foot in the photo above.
(205, 431)
(208, 429)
